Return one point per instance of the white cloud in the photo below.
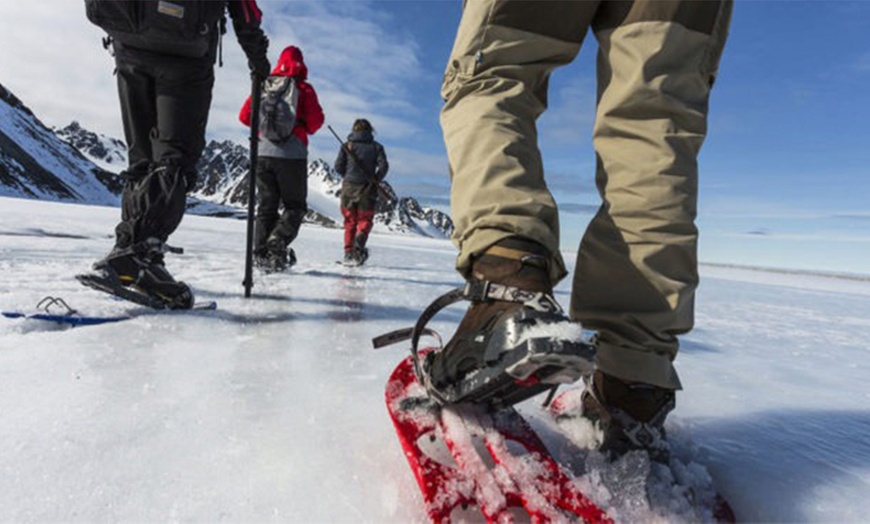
(54, 62)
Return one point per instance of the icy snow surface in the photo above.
(272, 408)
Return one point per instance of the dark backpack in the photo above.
(176, 27)
(278, 106)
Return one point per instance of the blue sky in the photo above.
(784, 171)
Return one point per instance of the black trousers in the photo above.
(164, 107)
(280, 181)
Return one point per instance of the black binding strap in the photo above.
(474, 291)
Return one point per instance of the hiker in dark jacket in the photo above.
(362, 163)
(165, 92)
(282, 168)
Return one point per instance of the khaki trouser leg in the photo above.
(495, 87)
(637, 266)
(636, 271)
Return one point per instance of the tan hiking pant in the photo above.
(636, 268)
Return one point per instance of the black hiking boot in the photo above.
(141, 269)
(360, 253)
(630, 414)
(514, 341)
(359, 256)
(275, 258)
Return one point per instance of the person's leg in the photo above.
(366, 206)
(507, 227)
(349, 228)
(636, 270)
(154, 202)
(137, 95)
(268, 202)
(292, 182)
(183, 94)
(183, 100)
(495, 87)
(349, 210)
(136, 92)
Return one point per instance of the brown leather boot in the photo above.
(631, 415)
(514, 262)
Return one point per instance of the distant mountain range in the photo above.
(77, 165)
(36, 163)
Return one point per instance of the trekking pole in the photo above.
(340, 141)
(256, 90)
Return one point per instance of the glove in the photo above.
(259, 67)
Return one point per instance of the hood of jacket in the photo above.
(361, 136)
(291, 63)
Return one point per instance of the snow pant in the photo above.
(280, 181)
(636, 271)
(164, 107)
(358, 203)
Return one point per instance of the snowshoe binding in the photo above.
(631, 416)
(513, 343)
(138, 274)
(275, 260)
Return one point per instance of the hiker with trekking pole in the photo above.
(362, 164)
(289, 112)
(164, 57)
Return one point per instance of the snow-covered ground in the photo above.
(271, 408)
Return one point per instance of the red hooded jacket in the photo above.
(309, 114)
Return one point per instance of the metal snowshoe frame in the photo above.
(532, 364)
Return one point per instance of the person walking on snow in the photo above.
(637, 268)
(282, 162)
(164, 61)
(362, 163)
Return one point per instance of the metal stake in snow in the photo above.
(256, 90)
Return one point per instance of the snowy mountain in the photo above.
(222, 189)
(271, 409)
(108, 153)
(77, 165)
(35, 163)
(223, 172)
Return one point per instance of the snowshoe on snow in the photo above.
(513, 342)
(524, 477)
(528, 351)
(138, 274)
(359, 252)
(352, 258)
(360, 256)
(275, 261)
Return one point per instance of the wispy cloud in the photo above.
(358, 67)
(53, 60)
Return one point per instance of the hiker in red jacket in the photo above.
(289, 112)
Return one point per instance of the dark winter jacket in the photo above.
(309, 114)
(368, 152)
(245, 16)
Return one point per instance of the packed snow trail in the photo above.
(271, 408)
